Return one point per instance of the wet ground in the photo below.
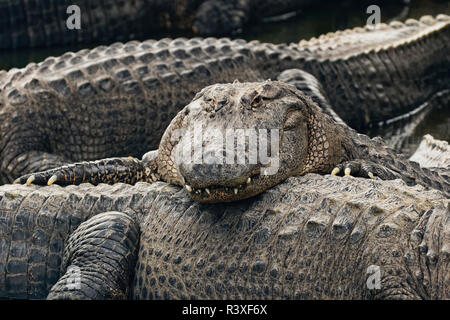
(304, 25)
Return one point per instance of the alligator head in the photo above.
(234, 141)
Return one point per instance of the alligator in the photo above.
(39, 23)
(277, 239)
(310, 237)
(117, 101)
(246, 138)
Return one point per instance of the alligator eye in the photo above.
(257, 101)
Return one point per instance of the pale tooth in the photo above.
(236, 191)
(188, 188)
(249, 180)
(207, 191)
(198, 191)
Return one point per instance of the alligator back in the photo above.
(310, 237)
(385, 71)
(43, 23)
(118, 100)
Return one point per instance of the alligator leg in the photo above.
(99, 259)
(310, 86)
(112, 170)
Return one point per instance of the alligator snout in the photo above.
(209, 164)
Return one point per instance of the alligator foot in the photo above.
(365, 169)
(99, 259)
(32, 161)
(113, 170)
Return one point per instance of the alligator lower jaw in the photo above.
(217, 193)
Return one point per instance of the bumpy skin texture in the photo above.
(309, 237)
(117, 100)
(98, 258)
(307, 140)
(37, 23)
(282, 243)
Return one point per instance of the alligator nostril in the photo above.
(221, 103)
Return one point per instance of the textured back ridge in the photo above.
(350, 42)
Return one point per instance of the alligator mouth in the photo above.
(253, 185)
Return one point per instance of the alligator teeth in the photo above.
(198, 191)
(207, 191)
(347, 171)
(335, 171)
(30, 180)
(17, 181)
(188, 188)
(236, 190)
(249, 180)
(371, 176)
(52, 180)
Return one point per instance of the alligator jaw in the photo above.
(215, 193)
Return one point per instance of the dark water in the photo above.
(304, 25)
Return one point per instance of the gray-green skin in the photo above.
(310, 237)
(309, 140)
(118, 100)
(41, 23)
(38, 23)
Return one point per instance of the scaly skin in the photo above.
(43, 23)
(118, 100)
(309, 141)
(38, 23)
(310, 237)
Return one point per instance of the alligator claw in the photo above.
(52, 180)
(35, 178)
(335, 171)
(347, 171)
(365, 169)
(30, 180)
